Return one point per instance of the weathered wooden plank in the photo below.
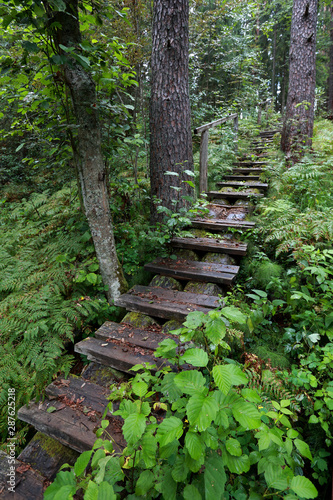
(210, 245)
(69, 424)
(250, 170)
(163, 303)
(121, 357)
(256, 185)
(234, 195)
(242, 177)
(207, 126)
(140, 337)
(191, 270)
(28, 484)
(203, 161)
(252, 163)
(220, 225)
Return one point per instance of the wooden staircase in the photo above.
(73, 408)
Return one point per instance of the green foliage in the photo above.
(217, 437)
(50, 289)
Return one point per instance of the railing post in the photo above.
(236, 132)
(203, 161)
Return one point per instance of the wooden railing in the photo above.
(204, 131)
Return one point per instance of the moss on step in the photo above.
(102, 375)
(172, 324)
(204, 288)
(183, 253)
(166, 282)
(201, 233)
(138, 320)
(227, 189)
(219, 258)
(242, 203)
(220, 201)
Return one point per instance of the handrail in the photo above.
(204, 131)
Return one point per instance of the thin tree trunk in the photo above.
(91, 164)
(330, 76)
(298, 124)
(274, 63)
(170, 122)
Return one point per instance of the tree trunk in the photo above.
(298, 124)
(170, 121)
(330, 75)
(274, 63)
(91, 164)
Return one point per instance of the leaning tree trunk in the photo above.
(298, 123)
(330, 75)
(170, 121)
(91, 163)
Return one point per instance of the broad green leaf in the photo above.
(233, 446)
(275, 477)
(190, 382)
(65, 493)
(194, 444)
(105, 492)
(303, 487)
(134, 427)
(195, 357)
(169, 449)
(190, 492)
(64, 479)
(236, 465)
(226, 376)
(144, 483)
(170, 428)
(113, 471)
(201, 410)
(303, 448)
(195, 319)
(92, 278)
(169, 486)
(246, 414)
(149, 448)
(169, 388)
(215, 330)
(214, 477)
(180, 469)
(82, 462)
(251, 395)
(193, 465)
(140, 388)
(234, 314)
(91, 492)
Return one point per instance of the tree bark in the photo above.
(92, 175)
(170, 120)
(330, 75)
(298, 124)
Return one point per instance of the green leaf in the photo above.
(105, 492)
(303, 487)
(82, 462)
(91, 492)
(149, 448)
(195, 357)
(144, 483)
(237, 465)
(190, 492)
(191, 382)
(303, 448)
(51, 409)
(194, 444)
(214, 477)
(113, 471)
(92, 278)
(169, 388)
(201, 410)
(140, 388)
(234, 314)
(226, 376)
(233, 446)
(251, 395)
(64, 479)
(180, 469)
(195, 319)
(215, 330)
(134, 427)
(169, 429)
(246, 414)
(169, 486)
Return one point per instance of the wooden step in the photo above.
(222, 225)
(191, 270)
(240, 195)
(163, 303)
(78, 408)
(242, 177)
(252, 163)
(210, 245)
(122, 346)
(253, 170)
(29, 484)
(256, 185)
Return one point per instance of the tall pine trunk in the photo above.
(330, 75)
(92, 175)
(298, 123)
(170, 120)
